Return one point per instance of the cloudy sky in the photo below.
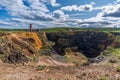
(59, 13)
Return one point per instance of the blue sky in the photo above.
(59, 13)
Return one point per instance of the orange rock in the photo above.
(37, 42)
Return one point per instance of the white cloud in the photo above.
(110, 13)
(110, 10)
(117, 2)
(59, 15)
(52, 2)
(4, 23)
(37, 5)
(17, 7)
(35, 10)
(92, 3)
(70, 8)
(37, 23)
(14, 7)
(41, 16)
(86, 7)
(18, 22)
(37, 13)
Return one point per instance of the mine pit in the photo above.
(90, 43)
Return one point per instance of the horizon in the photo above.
(18, 14)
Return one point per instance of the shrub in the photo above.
(50, 79)
(118, 68)
(41, 67)
(35, 58)
(107, 64)
(102, 79)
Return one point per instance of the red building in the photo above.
(30, 27)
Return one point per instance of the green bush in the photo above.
(50, 79)
(1, 56)
(40, 67)
(35, 58)
(118, 68)
(102, 79)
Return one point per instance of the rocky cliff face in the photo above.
(23, 46)
(18, 47)
(90, 43)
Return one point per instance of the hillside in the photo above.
(18, 47)
(81, 54)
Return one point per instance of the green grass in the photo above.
(117, 53)
(13, 30)
(118, 68)
(57, 29)
(1, 56)
(49, 79)
(64, 29)
(114, 54)
(40, 67)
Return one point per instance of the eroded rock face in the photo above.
(90, 43)
(19, 47)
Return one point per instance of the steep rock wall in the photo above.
(90, 43)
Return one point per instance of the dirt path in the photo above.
(27, 72)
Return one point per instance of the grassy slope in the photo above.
(62, 29)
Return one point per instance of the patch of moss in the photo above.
(40, 67)
(107, 64)
(118, 68)
(2, 56)
(75, 57)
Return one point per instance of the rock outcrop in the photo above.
(90, 43)
(23, 46)
(19, 47)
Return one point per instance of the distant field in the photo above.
(64, 29)
(13, 30)
(81, 29)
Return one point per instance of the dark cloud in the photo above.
(58, 14)
(43, 17)
(94, 24)
(84, 24)
(104, 23)
(113, 14)
(87, 8)
(37, 16)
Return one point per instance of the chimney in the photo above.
(30, 27)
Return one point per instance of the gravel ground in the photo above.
(29, 72)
